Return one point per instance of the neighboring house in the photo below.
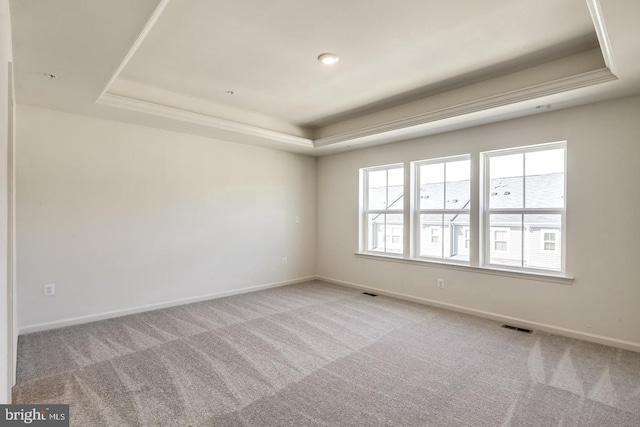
(448, 236)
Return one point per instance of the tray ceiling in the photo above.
(406, 68)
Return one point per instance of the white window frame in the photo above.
(486, 211)
(543, 241)
(365, 211)
(417, 211)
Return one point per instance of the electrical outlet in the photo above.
(284, 260)
(297, 219)
(440, 283)
(50, 289)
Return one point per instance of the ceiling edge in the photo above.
(537, 91)
(164, 111)
(366, 135)
(134, 47)
(601, 32)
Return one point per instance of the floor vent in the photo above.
(370, 294)
(515, 328)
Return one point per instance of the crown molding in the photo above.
(150, 108)
(380, 131)
(406, 127)
(601, 32)
(134, 47)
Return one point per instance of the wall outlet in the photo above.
(284, 260)
(440, 283)
(297, 219)
(49, 289)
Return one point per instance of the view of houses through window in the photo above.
(383, 208)
(521, 218)
(443, 203)
(525, 204)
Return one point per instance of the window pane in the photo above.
(506, 181)
(395, 196)
(544, 180)
(376, 232)
(444, 236)
(431, 235)
(432, 186)
(543, 241)
(386, 189)
(385, 233)
(458, 188)
(505, 240)
(377, 191)
(396, 177)
(457, 242)
(394, 233)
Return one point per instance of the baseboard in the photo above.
(599, 339)
(149, 307)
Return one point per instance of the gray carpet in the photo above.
(315, 354)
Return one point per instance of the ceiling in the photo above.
(406, 69)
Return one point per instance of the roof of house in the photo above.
(540, 191)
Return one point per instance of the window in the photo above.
(435, 234)
(524, 207)
(518, 224)
(396, 235)
(382, 219)
(550, 240)
(442, 203)
(500, 239)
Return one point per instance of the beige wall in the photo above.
(6, 303)
(603, 230)
(121, 216)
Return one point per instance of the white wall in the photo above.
(120, 216)
(603, 234)
(6, 304)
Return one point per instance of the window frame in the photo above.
(476, 241)
(417, 211)
(486, 211)
(365, 211)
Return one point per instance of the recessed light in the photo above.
(328, 58)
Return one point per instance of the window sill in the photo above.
(528, 275)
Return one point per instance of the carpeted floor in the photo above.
(315, 354)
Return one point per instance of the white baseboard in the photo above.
(599, 339)
(149, 307)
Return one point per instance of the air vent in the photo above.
(370, 294)
(515, 328)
